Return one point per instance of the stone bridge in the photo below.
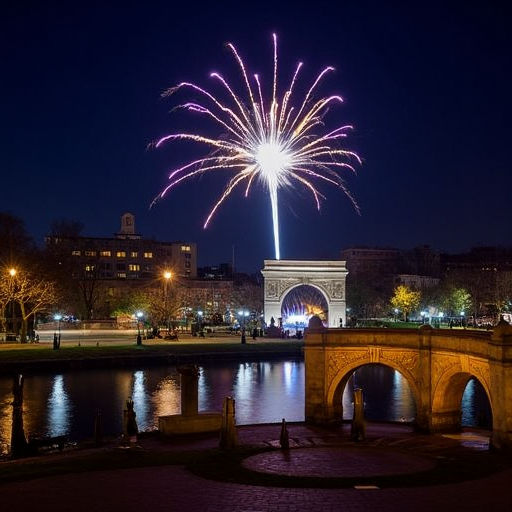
(437, 364)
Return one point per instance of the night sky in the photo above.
(427, 87)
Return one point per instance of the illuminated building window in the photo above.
(90, 253)
(105, 253)
(148, 255)
(134, 268)
(121, 254)
(75, 253)
(185, 248)
(134, 254)
(89, 268)
(121, 275)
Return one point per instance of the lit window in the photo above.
(148, 255)
(134, 268)
(75, 253)
(134, 254)
(185, 248)
(121, 275)
(121, 254)
(90, 253)
(89, 268)
(106, 254)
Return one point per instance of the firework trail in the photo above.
(268, 141)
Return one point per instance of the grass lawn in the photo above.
(12, 354)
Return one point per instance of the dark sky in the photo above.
(427, 86)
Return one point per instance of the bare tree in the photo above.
(30, 292)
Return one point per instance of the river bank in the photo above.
(26, 358)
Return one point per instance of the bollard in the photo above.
(228, 434)
(357, 431)
(284, 439)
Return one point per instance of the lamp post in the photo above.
(12, 274)
(243, 314)
(139, 315)
(199, 328)
(56, 337)
(167, 277)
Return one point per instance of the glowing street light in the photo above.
(12, 274)
(167, 277)
(243, 314)
(139, 315)
(199, 328)
(56, 337)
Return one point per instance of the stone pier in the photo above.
(190, 421)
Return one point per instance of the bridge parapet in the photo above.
(466, 341)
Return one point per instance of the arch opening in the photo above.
(460, 400)
(387, 394)
(299, 305)
(475, 406)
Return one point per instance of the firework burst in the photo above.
(267, 141)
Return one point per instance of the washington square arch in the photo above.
(328, 277)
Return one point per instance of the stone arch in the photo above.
(449, 388)
(328, 277)
(336, 386)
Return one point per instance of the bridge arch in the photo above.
(449, 389)
(339, 383)
(328, 277)
(436, 363)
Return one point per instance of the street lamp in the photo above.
(56, 338)
(12, 274)
(139, 315)
(167, 277)
(199, 318)
(243, 314)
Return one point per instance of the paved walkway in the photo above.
(387, 450)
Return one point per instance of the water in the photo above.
(265, 392)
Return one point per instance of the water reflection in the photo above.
(5, 414)
(166, 398)
(475, 405)
(59, 409)
(265, 392)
